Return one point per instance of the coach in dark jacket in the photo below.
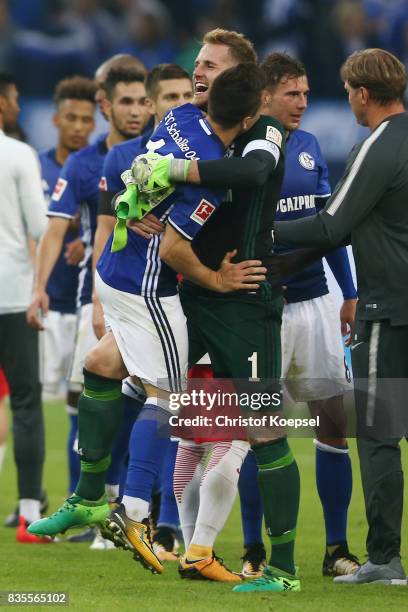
(369, 208)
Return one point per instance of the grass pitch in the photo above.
(111, 580)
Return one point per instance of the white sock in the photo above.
(112, 492)
(188, 472)
(136, 509)
(30, 509)
(218, 489)
(2, 454)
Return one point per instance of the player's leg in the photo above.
(251, 518)
(317, 374)
(217, 494)
(100, 416)
(153, 342)
(20, 359)
(168, 521)
(380, 367)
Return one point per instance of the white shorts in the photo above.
(151, 334)
(58, 341)
(85, 340)
(313, 364)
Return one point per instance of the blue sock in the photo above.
(334, 484)
(251, 503)
(168, 516)
(148, 445)
(74, 460)
(132, 407)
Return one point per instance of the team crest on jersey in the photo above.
(103, 184)
(274, 135)
(59, 189)
(307, 161)
(203, 211)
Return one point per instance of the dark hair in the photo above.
(163, 72)
(236, 94)
(122, 75)
(379, 71)
(75, 88)
(281, 66)
(6, 80)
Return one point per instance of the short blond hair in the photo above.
(241, 48)
(379, 71)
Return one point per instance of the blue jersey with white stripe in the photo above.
(119, 159)
(304, 191)
(63, 282)
(184, 133)
(77, 191)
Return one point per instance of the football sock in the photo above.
(148, 445)
(251, 502)
(74, 461)
(334, 483)
(195, 552)
(168, 516)
(30, 509)
(99, 418)
(279, 484)
(219, 486)
(132, 405)
(188, 472)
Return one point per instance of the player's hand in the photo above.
(74, 252)
(151, 171)
(347, 318)
(149, 226)
(244, 275)
(38, 309)
(98, 320)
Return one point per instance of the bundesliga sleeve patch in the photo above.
(274, 135)
(203, 211)
(59, 189)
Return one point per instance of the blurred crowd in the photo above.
(43, 41)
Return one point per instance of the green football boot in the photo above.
(273, 580)
(75, 512)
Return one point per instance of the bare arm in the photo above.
(105, 225)
(177, 252)
(48, 252)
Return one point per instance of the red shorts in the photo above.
(4, 388)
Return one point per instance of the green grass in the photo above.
(111, 580)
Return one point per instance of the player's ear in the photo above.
(150, 105)
(247, 123)
(106, 107)
(56, 120)
(365, 95)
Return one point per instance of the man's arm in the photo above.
(177, 252)
(48, 252)
(366, 178)
(104, 228)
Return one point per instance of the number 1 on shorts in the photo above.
(254, 365)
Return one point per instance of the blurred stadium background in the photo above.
(42, 41)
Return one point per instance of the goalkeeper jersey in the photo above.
(183, 133)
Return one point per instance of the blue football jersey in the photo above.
(63, 282)
(77, 190)
(304, 191)
(119, 159)
(184, 133)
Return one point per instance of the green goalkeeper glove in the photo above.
(154, 172)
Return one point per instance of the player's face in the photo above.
(10, 107)
(127, 111)
(74, 121)
(356, 101)
(171, 93)
(210, 62)
(288, 101)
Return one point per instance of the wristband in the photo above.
(178, 170)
